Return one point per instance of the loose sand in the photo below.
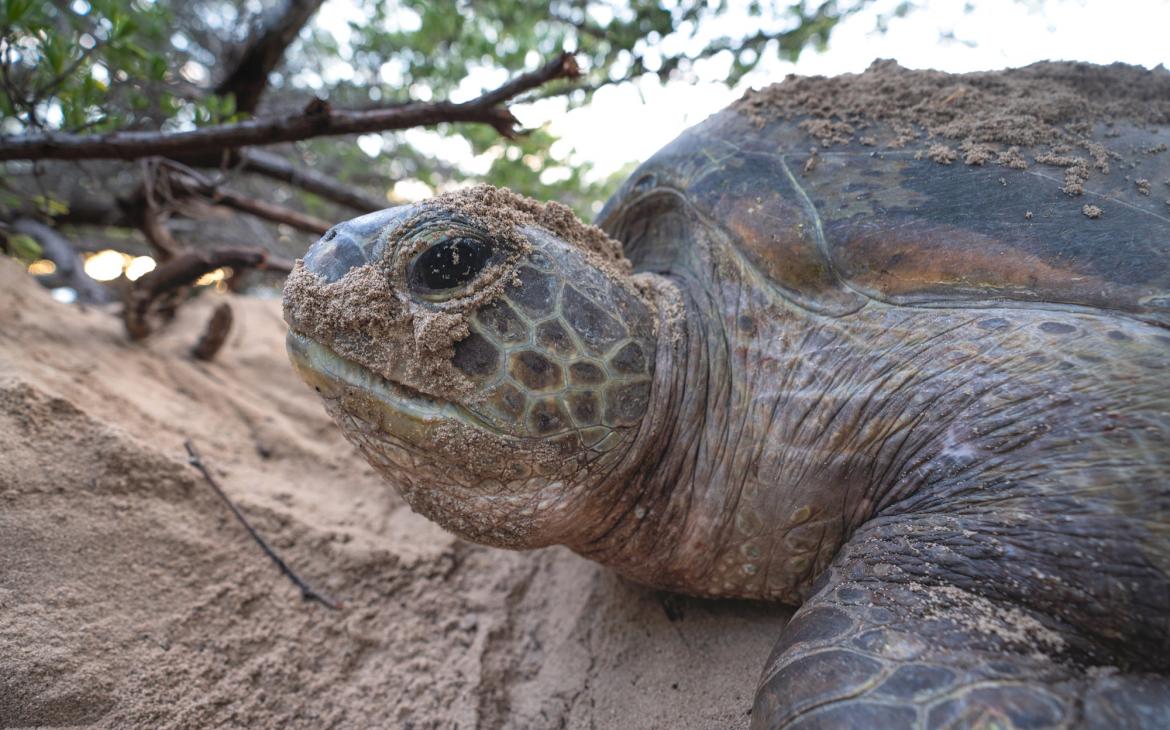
(990, 114)
(130, 598)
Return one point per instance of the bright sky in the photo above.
(630, 122)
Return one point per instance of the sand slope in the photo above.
(130, 598)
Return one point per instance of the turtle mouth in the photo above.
(330, 374)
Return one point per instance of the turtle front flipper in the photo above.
(876, 647)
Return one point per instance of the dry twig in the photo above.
(307, 591)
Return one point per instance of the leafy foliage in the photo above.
(101, 65)
(412, 48)
(397, 46)
(22, 247)
(88, 67)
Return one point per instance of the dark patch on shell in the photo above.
(535, 293)
(1057, 328)
(625, 404)
(993, 323)
(548, 416)
(476, 356)
(596, 329)
(553, 337)
(501, 319)
(583, 405)
(535, 371)
(586, 373)
(630, 360)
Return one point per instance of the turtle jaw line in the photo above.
(324, 369)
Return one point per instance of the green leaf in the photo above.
(50, 206)
(16, 10)
(56, 54)
(124, 26)
(24, 248)
(158, 67)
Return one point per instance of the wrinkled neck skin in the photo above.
(738, 493)
(775, 433)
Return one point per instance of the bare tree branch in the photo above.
(271, 36)
(188, 266)
(69, 271)
(158, 235)
(134, 211)
(318, 120)
(246, 204)
(156, 293)
(255, 60)
(154, 227)
(563, 66)
(275, 167)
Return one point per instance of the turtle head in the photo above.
(489, 355)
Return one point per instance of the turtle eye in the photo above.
(449, 264)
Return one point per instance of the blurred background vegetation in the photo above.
(87, 67)
(98, 66)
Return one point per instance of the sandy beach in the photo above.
(129, 596)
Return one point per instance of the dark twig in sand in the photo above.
(307, 591)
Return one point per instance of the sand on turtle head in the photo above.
(368, 318)
(504, 212)
(1046, 103)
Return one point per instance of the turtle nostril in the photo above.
(332, 256)
(352, 243)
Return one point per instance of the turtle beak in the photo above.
(352, 243)
(312, 372)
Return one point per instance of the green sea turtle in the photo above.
(929, 403)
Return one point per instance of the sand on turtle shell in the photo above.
(130, 598)
(1054, 104)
